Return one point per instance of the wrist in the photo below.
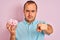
(12, 36)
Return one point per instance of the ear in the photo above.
(23, 10)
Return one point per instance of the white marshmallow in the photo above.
(13, 22)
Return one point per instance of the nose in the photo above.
(30, 13)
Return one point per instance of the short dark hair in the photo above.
(30, 2)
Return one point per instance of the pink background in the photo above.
(48, 10)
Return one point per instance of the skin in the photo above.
(47, 28)
(30, 12)
(11, 29)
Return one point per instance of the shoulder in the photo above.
(42, 21)
(20, 23)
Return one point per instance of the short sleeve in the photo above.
(43, 22)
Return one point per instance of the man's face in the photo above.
(30, 12)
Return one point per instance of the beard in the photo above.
(29, 21)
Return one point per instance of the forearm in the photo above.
(12, 37)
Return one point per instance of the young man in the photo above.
(29, 29)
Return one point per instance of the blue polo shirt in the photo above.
(26, 31)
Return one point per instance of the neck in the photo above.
(29, 21)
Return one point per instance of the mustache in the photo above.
(30, 16)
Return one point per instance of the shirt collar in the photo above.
(34, 22)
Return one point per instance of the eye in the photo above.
(33, 10)
(27, 10)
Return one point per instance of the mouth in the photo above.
(29, 17)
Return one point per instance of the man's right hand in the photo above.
(11, 28)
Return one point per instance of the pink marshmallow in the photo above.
(13, 22)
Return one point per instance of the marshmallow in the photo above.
(12, 22)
